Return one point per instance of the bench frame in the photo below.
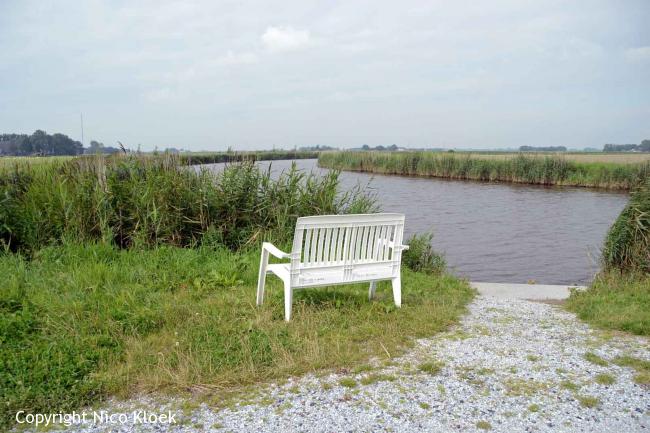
(338, 249)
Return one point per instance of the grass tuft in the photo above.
(534, 408)
(571, 386)
(605, 379)
(588, 401)
(431, 367)
(348, 382)
(374, 378)
(595, 359)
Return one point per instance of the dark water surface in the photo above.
(497, 232)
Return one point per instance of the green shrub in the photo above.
(421, 257)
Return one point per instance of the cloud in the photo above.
(232, 58)
(277, 39)
(639, 54)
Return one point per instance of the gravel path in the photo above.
(510, 366)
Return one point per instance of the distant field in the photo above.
(184, 158)
(619, 158)
(18, 160)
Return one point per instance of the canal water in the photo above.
(497, 232)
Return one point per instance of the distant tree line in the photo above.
(643, 147)
(39, 143)
(317, 148)
(542, 149)
(97, 147)
(380, 148)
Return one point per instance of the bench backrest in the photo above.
(346, 241)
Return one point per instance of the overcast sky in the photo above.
(205, 75)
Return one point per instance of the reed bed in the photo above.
(627, 246)
(521, 168)
(619, 157)
(147, 201)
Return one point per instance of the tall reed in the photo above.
(144, 201)
(627, 246)
(532, 169)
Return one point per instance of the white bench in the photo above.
(338, 249)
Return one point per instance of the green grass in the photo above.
(544, 169)
(484, 425)
(79, 323)
(615, 301)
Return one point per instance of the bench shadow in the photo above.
(332, 295)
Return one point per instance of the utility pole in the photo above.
(82, 129)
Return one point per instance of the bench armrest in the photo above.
(394, 247)
(275, 251)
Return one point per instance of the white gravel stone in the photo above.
(505, 356)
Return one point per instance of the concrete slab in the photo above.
(537, 292)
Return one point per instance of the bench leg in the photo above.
(261, 278)
(397, 291)
(288, 299)
(371, 290)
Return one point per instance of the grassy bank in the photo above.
(520, 168)
(131, 273)
(615, 301)
(79, 323)
(620, 297)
